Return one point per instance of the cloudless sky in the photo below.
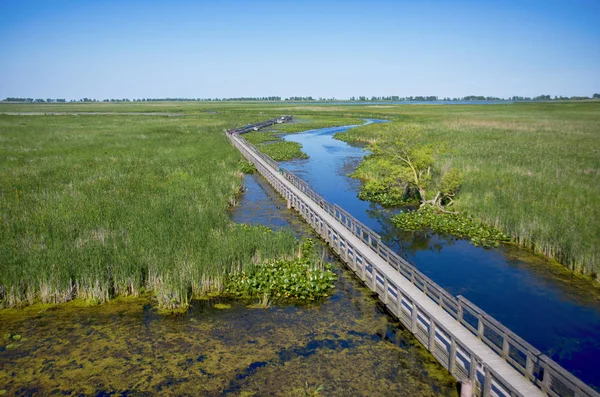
(198, 49)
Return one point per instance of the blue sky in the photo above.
(146, 49)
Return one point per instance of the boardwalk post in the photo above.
(413, 317)
(479, 328)
(466, 388)
(487, 382)
(452, 360)
(431, 335)
(505, 347)
(473, 368)
(385, 290)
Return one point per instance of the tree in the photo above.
(411, 163)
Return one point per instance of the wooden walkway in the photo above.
(463, 338)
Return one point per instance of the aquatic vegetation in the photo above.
(300, 278)
(125, 348)
(259, 137)
(247, 167)
(385, 197)
(460, 225)
(275, 147)
(283, 151)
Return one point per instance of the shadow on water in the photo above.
(344, 345)
(552, 309)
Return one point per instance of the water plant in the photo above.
(460, 225)
(275, 147)
(283, 151)
(300, 278)
(247, 167)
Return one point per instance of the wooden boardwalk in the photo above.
(463, 338)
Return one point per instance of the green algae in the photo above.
(340, 346)
(222, 306)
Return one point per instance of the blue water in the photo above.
(513, 285)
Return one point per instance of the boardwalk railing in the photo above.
(258, 126)
(455, 356)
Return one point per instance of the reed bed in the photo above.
(531, 170)
(98, 206)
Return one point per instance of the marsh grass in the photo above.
(94, 207)
(530, 170)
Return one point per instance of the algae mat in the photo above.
(338, 347)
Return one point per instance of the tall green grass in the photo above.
(532, 170)
(97, 206)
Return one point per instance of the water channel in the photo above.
(541, 302)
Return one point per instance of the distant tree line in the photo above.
(392, 98)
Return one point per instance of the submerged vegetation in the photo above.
(218, 347)
(456, 224)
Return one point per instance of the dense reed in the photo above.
(531, 170)
(98, 206)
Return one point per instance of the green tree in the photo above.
(409, 163)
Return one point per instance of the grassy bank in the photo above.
(98, 206)
(531, 170)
